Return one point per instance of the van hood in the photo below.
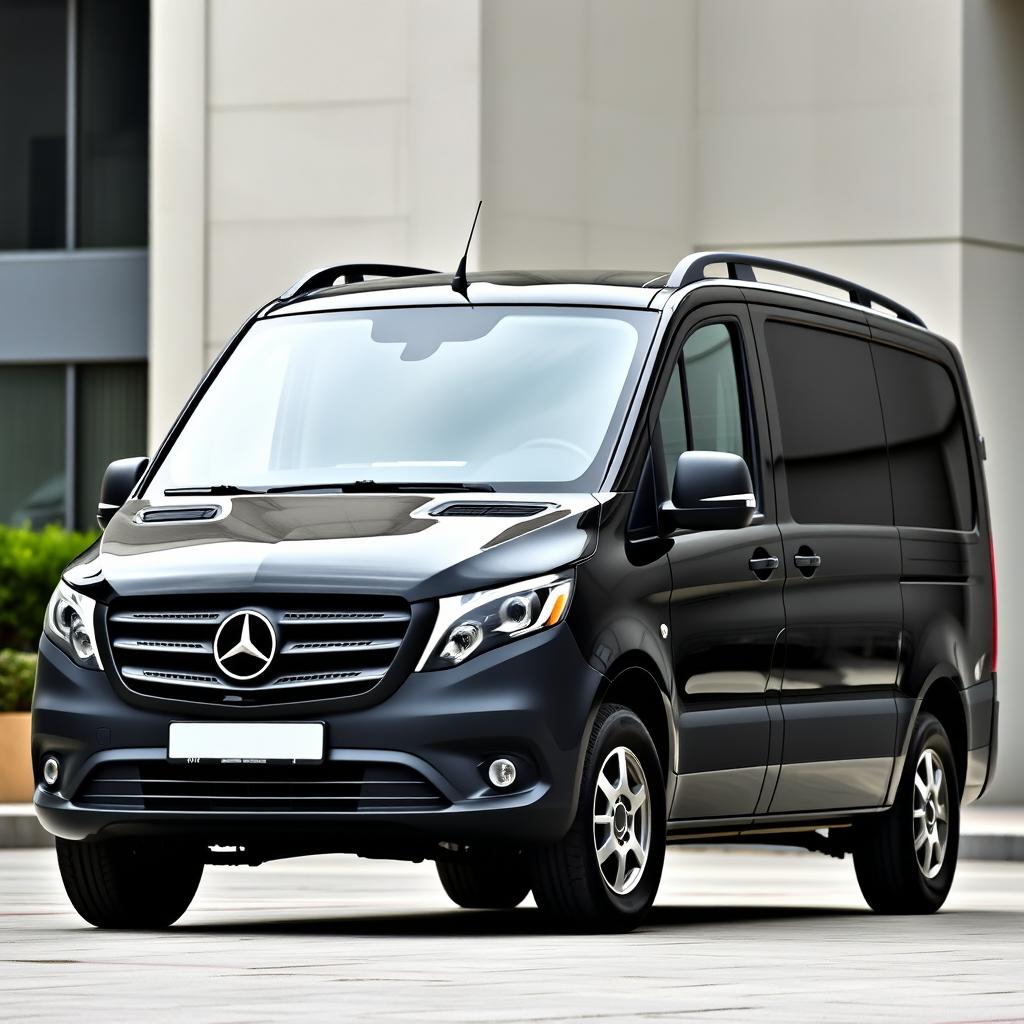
(392, 544)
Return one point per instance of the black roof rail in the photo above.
(353, 273)
(741, 266)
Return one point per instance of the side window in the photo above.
(931, 472)
(672, 421)
(830, 415)
(702, 410)
(712, 391)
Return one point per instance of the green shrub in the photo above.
(17, 679)
(30, 566)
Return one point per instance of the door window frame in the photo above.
(735, 318)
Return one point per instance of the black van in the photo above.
(531, 574)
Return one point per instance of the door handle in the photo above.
(766, 564)
(806, 561)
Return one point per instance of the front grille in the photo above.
(331, 786)
(326, 647)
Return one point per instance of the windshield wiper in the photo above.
(215, 489)
(378, 487)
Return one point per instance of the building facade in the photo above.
(881, 140)
(74, 116)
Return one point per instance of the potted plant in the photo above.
(17, 680)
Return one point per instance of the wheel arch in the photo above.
(634, 681)
(943, 698)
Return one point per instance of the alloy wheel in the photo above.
(622, 821)
(931, 813)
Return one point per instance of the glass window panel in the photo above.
(33, 119)
(833, 443)
(712, 391)
(521, 397)
(113, 118)
(111, 415)
(32, 448)
(672, 422)
(931, 474)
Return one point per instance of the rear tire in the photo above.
(906, 859)
(604, 875)
(485, 883)
(128, 884)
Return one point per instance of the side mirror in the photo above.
(119, 481)
(710, 491)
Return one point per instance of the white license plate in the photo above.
(246, 742)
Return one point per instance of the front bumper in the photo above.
(532, 701)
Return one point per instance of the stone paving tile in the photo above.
(736, 936)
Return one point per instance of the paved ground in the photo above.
(735, 937)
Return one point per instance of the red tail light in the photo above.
(995, 602)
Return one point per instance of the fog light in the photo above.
(502, 773)
(51, 771)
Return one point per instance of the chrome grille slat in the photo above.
(142, 674)
(329, 646)
(323, 678)
(200, 647)
(172, 618)
(329, 617)
(341, 649)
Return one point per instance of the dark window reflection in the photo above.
(113, 103)
(32, 452)
(111, 415)
(931, 477)
(832, 437)
(33, 119)
(709, 417)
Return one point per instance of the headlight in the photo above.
(473, 623)
(71, 624)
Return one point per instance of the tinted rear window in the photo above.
(931, 473)
(832, 437)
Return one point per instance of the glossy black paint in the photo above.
(119, 481)
(843, 622)
(708, 493)
(777, 691)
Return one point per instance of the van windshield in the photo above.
(515, 397)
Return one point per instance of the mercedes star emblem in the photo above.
(245, 644)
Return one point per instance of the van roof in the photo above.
(624, 288)
(395, 285)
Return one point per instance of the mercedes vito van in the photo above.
(531, 577)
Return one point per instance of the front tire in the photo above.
(906, 860)
(128, 884)
(604, 875)
(485, 882)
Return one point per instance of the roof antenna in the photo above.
(459, 282)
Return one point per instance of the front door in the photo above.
(727, 611)
(842, 561)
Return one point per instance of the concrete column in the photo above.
(993, 323)
(177, 203)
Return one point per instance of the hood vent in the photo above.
(506, 510)
(177, 513)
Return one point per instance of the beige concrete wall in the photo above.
(829, 134)
(337, 131)
(588, 116)
(292, 135)
(993, 321)
(177, 208)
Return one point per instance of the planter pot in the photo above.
(16, 784)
